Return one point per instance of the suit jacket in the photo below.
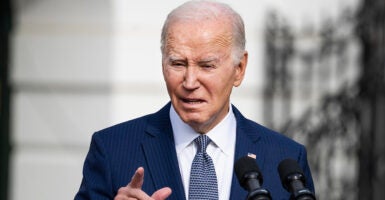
(116, 152)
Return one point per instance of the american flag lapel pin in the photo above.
(251, 155)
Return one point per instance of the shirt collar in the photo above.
(222, 135)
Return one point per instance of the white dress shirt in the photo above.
(221, 150)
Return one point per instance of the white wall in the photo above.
(81, 65)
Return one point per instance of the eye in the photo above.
(178, 63)
(208, 66)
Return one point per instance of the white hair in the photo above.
(203, 10)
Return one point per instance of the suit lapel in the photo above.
(247, 141)
(160, 154)
(159, 150)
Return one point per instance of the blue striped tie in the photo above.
(203, 180)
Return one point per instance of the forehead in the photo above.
(210, 33)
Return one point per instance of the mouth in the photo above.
(192, 101)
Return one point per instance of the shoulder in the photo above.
(124, 127)
(273, 137)
(264, 134)
(134, 129)
(122, 137)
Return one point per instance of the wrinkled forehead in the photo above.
(199, 33)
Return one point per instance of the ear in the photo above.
(240, 70)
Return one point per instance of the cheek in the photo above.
(220, 87)
(171, 79)
(222, 80)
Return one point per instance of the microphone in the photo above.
(250, 178)
(293, 180)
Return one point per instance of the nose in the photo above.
(191, 81)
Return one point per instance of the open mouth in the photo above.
(192, 101)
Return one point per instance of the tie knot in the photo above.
(202, 142)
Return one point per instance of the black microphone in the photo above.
(293, 180)
(250, 178)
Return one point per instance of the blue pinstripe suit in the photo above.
(116, 152)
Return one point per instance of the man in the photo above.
(155, 156)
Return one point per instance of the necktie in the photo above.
(203, 180)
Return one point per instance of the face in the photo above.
(200, 73)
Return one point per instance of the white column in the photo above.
(61, 54)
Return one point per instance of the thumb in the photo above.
(162, 193)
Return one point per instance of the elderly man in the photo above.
(187, 149)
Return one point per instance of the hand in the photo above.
(133, 191)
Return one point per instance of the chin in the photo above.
(193, 120)
(198, 124)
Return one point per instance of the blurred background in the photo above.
(69, 68)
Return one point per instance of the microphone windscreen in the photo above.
(288, 167)
(245, 165)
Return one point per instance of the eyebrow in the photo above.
(201, 61)
(208, 60)
(175, 58)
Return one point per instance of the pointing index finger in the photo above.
(137, 179)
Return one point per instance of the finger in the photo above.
(162, 194)
(137, 179)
